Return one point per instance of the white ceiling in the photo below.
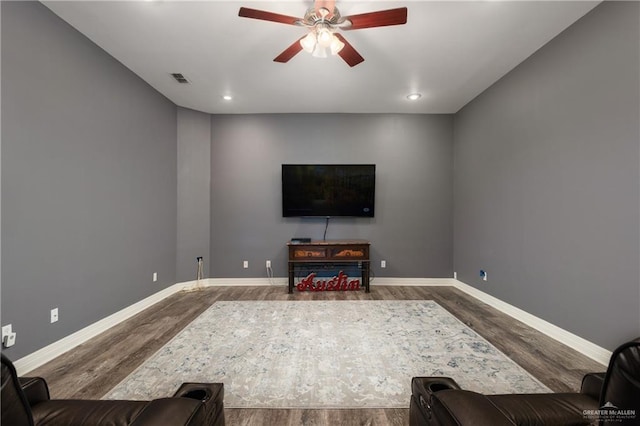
(450, 51)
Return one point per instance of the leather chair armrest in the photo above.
(422, 390)
(200, 391)
(429, 385)
(461, 407)
(592, 385)
(35, 389)
(211, 395)
(423, 387)
(172, 411)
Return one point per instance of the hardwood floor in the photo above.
(93, 368)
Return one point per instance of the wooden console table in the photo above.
(330, 252)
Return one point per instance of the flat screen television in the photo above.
(328, 190)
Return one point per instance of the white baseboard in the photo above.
(283, 281)
(406, 282)
(581, 345)
(215, 282)
(280, 281)
(41, 356)
(36, 359)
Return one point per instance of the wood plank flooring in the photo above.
(93, 368)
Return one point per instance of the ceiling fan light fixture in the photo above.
(324, 37)
(336, 45)
(309, 42)
(320, 51)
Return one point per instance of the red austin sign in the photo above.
(339, 283)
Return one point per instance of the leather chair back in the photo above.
(621, 385)
(15, 408)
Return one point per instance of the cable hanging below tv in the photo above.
(328, 190)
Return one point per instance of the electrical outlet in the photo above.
(8, 336)
(483, 274)
(10, 340)
(155, 277)
(455, 275)
(54, 315)
(245, 264)
(383, 263)
(268, 264)
(6, 330)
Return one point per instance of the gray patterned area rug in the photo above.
(324, 354)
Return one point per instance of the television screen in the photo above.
(328, 190)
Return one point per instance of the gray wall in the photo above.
(546, 187)
(88, 180)
(194, 174)
(412, 227)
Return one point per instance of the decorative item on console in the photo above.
(341, 282)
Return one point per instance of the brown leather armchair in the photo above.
(611, 398)
(26, 401)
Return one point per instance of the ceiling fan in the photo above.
(323, 20)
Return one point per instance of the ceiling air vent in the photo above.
(179, 78)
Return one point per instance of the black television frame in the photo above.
(348, 190)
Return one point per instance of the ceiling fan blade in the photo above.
(289, 52)
(245, 12)
(381, 18)
(348, 53)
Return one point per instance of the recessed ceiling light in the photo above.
(414, 96)
(227, 97)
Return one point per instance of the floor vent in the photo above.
(180, 78)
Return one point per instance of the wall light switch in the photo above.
(54, 315)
